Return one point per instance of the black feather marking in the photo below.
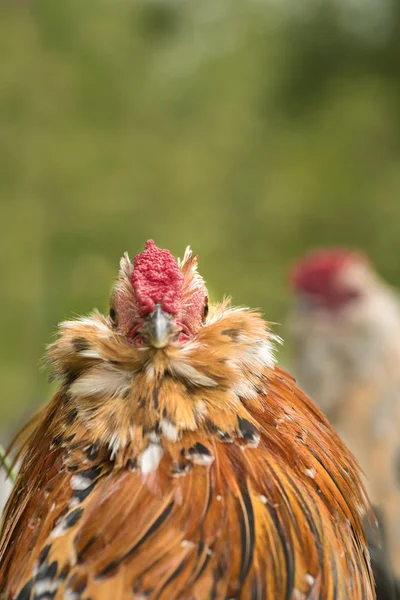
(247, 430)
(222, 566)
(210, 495)
(80, 344)
(153, 429)
(260, 390)
(200, 454)
(91, 472)
(72, 518)
(71, 416)
(80, 495)
(213, 595)
(247, 532)
(210, 425)
(47, 572)
(173, 576)
(179, 468)
(56, 441)
(77, 583)
(45, 595)
(131, 464)
(309, 519)
(92, 452)
(154, 526)
(150, 565)
(199, 448)
(25, 593)
(289, 562)
(294, 521)
(224, 436)
(108, 570)
(205, 560)
(70, 377)
(232, 333)
(333, 478)
(63, 574)
(61, 514)
(73, 468)
(156, 392)
(66, 398)
(81, 554)
(43, 555)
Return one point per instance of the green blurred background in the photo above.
(250, 129)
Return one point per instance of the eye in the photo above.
(113, 316)
(205, 309)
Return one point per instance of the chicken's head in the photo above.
(330, 279)
(158, 301)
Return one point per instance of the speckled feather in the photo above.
(199, 471)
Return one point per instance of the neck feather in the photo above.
(139, 401)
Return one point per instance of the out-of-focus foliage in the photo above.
(251, 130)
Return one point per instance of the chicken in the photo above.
(345, 325)
(177, 461)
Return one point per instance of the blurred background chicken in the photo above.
(345, 325)
(177, 461)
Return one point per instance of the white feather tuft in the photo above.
(169, 430)
(110, 382)
(150, 458)
(188, 372)
(125, 265)
(78, 482)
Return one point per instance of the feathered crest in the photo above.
(188, 265)
(125, 266)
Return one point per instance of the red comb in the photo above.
(317, 271)
(157, 279)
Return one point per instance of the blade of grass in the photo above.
(6, 463)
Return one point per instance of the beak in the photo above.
(160, 328)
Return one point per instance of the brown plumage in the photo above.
(178, 462)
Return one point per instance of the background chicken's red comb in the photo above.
(156, 278)
(316, 271)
